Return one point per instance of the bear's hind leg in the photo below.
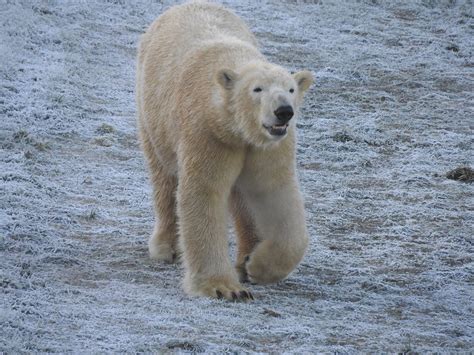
(162, 244)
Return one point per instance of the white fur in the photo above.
(203, 132)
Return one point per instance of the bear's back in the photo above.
(185, 28)
(196, 22)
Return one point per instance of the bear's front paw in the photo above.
(219, 287)
(258, 271)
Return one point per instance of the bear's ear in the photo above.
(226, 78)
(304, 79)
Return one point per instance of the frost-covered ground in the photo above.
(390, 267)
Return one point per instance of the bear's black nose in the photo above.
(284, 113)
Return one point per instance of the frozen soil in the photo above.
(390, 266)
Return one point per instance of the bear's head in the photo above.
(263, 100)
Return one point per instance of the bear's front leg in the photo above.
(204, 186)
(280, 220)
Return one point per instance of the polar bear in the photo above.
(217, 125)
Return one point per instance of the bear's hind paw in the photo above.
(162, 252)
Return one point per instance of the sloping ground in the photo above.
(390, 266)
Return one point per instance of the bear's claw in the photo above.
(235, 296)
(246, 294)
(219, 287)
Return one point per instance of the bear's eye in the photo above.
(292, 90)
(257, 89)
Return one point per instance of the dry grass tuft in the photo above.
(464, 173)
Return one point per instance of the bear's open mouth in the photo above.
(277, 130)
